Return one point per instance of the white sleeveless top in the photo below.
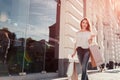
(82, 39)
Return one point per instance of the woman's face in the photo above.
(84, 24)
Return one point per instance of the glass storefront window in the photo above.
(24, 36)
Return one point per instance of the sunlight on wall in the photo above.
(104, 17)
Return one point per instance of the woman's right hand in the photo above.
(73, 55)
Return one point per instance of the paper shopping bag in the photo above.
(74, 74)
(96, 55)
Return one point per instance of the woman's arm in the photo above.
(74, 51)
(75, 45)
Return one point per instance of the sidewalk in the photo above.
(34, 76)
(113, 74)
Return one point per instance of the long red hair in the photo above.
(88, 25)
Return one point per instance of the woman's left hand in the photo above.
(90, 41)
(91, 38)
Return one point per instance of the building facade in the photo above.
(103, 21)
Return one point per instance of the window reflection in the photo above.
(26, 23)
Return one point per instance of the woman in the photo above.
(83, 40)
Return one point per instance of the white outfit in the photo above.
(82, 39)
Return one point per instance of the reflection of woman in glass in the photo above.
(83, 39)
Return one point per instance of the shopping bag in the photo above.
(96, 56)
(74, 74)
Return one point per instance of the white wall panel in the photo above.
(78, 4)
(71, 15)
(73, 10)
(70, 19)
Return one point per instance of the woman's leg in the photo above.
(80, 54)
(85, 65)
